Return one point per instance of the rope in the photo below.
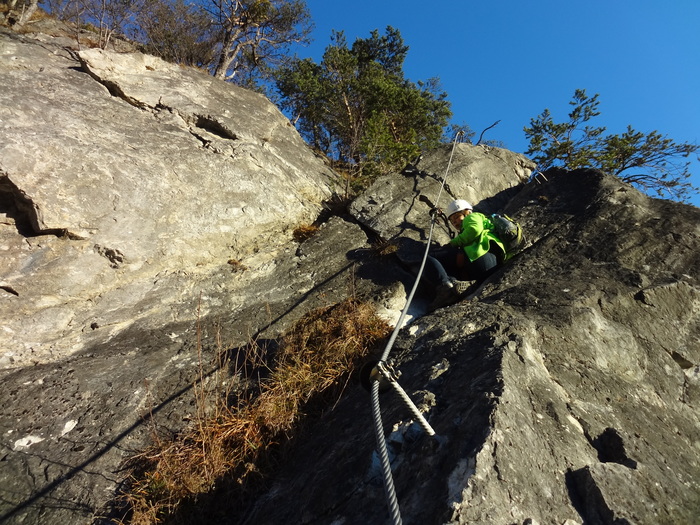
(423, 422)
(376, 412)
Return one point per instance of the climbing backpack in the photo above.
(509, 232)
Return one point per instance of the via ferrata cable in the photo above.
(385, 372)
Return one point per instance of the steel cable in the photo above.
(389, 488)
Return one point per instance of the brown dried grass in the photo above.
(314, 363)
(304, 231)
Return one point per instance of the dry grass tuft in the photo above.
(303, 232)
(384, 248)
(313, 364)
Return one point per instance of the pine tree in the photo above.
(357, 108)
(652, 162)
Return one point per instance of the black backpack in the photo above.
(509, 232)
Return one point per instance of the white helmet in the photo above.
(456, 206)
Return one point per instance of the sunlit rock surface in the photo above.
(146, 223)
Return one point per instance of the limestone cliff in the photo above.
(126, 178)
(146, 212)
(566, 391)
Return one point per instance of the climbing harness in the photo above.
(383, 374)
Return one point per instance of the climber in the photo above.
(472, 255)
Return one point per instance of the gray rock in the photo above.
(128, 232)
(68, 427)
(478, 174)
(146, 233)
(560, 392)
(125, 188)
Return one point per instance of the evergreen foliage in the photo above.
(650, 161)
(357, 108)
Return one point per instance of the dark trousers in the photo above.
(450, 261)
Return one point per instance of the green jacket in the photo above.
(475, 236)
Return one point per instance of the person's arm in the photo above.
(472, 226)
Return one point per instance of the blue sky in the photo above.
(508, 60)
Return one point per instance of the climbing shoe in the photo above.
(444, 295)
(461, 287)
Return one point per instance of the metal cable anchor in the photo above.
(385, 374)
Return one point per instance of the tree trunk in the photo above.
(224, 57)
(27, 14)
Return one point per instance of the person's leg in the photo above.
(442, 268)
(498, 252)
(434, 272)
(449, 258)
(482, 267)
(435, 275)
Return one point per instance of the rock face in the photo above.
(127, 179)
(565, 391)
(486, 177)
(146, 212)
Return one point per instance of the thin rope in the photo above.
(399, 323)
(421, 419)
(389, 489)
